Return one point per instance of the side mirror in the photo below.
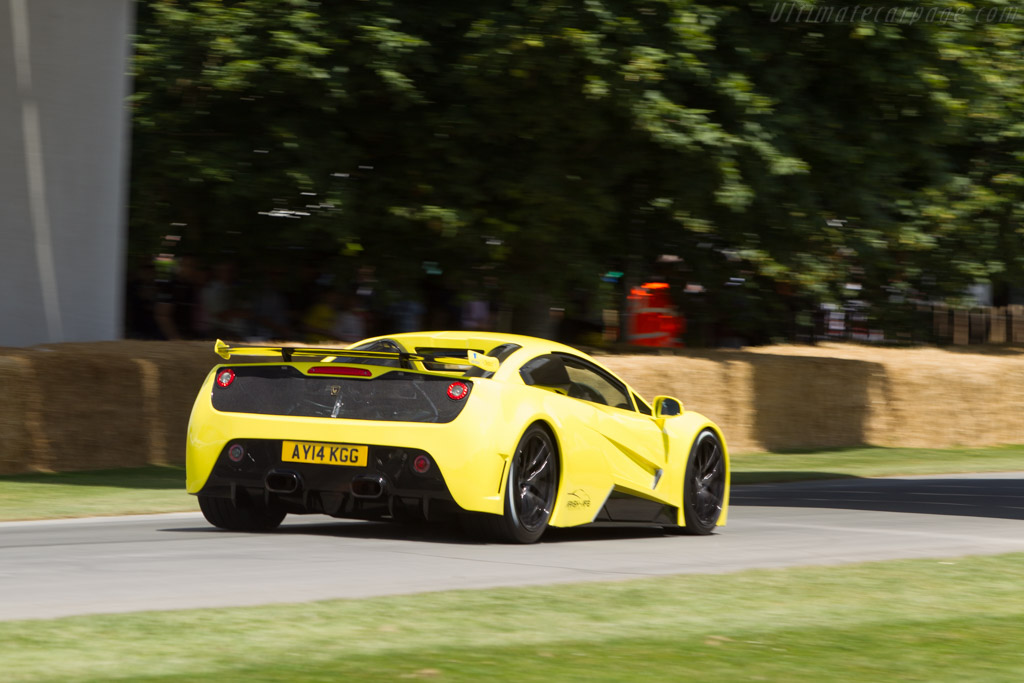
(666, 406)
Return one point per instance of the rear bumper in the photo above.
(467, 461)
(387, 487)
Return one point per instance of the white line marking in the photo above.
(894, 532)
(68, 521)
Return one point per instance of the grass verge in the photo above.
(138, 490)
(757, 468)
(924, 620)
(161, 489)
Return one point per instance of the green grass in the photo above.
(161, 489)
(98, 492)
(753, 468)
(915, 620)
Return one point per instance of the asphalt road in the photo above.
(58, 568)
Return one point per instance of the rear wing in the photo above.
(478, 360)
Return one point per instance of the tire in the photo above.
(248, 516)
(530, 491)
(703, 485)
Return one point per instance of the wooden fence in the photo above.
(980, 325)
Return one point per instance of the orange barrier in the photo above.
(651, 317)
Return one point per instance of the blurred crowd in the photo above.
(179, 298)
(185, 300)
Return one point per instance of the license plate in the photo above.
(325, 453)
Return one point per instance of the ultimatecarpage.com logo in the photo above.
(798, 12)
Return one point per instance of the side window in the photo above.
(590, 384)
(642, 406)
(574, 377)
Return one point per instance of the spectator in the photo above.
(318, 320)
(177, 310)
(270, 309)
(140, 303)
(222, 314)
(476, 311)
(349, 325)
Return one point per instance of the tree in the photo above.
(540, 143)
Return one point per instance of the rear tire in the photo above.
(248, 516)
(530, 491)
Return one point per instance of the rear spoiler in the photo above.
(478, 360)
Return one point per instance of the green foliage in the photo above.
(551, 140)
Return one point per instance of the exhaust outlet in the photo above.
(283, 481)
(368, 487)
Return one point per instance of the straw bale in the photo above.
(701, 383)
(802, 402)
(17, 450)
(716, 384)
(170, 374)
(938, 398)
(116, 404)
(971, 402)
(90, 406)
(180, 371)
(764, 402)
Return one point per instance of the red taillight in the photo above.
(225, 377)
(421, 464)
(340, 370)
(236, 452)
(457, 391)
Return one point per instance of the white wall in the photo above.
(63, 168)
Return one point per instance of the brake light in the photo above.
(340, 370)
(457, 391)
(225, 377)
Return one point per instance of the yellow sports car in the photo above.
(512, 434)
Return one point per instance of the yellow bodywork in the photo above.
(601, 448)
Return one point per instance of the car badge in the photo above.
(335, 389)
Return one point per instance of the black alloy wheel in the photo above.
(532, 485)
(530, 490)
(704, 485)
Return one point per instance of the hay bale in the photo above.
(936, 398)
(716, 384)
(90, 406)
(17, 448)
(937, 403)
(170, 375)
(802, 402)
(764, 402)
(179, 372)
(117, 404)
